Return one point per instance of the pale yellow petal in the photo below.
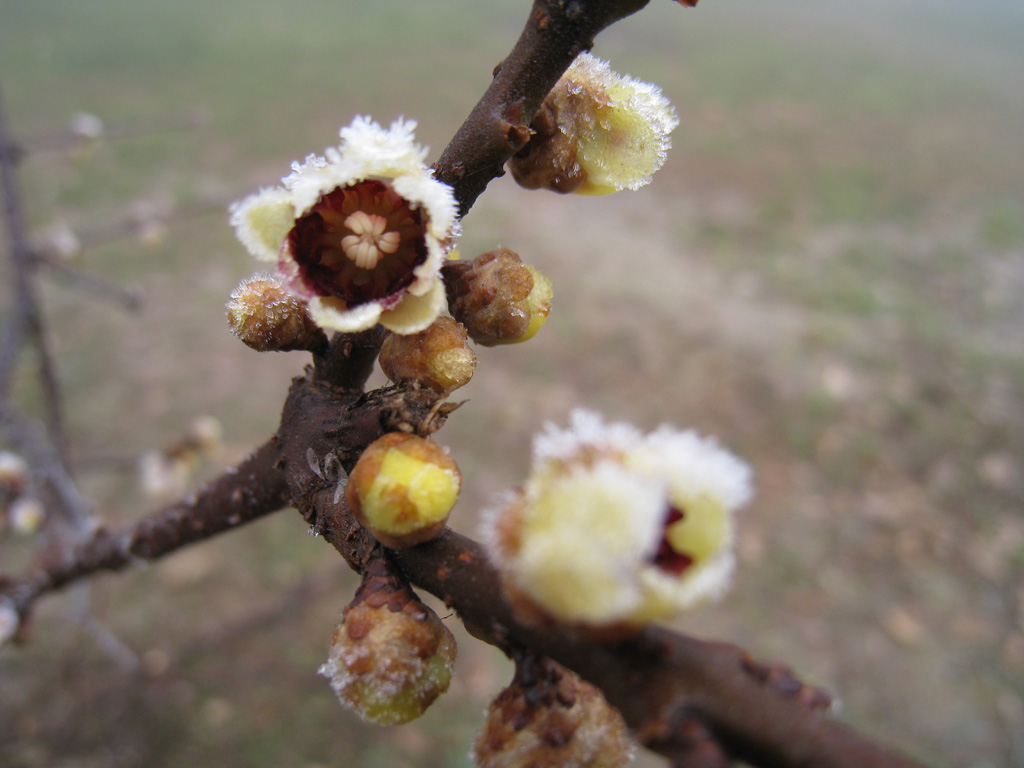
(262, 222)
(415, 313)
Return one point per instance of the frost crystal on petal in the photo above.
(586, 428)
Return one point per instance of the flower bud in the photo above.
(499, 299)
(267, 318)
(391, 656)
(550, 718)
(9, 622)
(13, 473)
(614, 529)
(438, 358)
(87, 133)
(163, 475)
(597, 132)
(205, 435)
(402, 489)
(26, 515)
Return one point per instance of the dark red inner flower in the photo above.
(666, 557)
(359, 243)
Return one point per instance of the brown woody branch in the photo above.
(254, 488)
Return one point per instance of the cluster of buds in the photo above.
(19, 509)
(498, 298)
(166, 472)
(614, 529)
(597, 132)
(402, 489)
(391, 656)
(550, 718)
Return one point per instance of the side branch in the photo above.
(662, 682)
(254, 488)
(499, 125)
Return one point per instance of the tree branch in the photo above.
(254, 488)
(678, 694)
(26, 318)
(660, 681)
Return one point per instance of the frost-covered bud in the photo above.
(499, 299)
(87, 132)
(85, 125)
(60, 241)
(206, 435)
(402, 489)
(438, 358)
(13, 473)
(9, 622)
(26, 515)
(614, 529)
(360, 233)
(162, 475)
(266, 317)
(550, 718)
(391, 656)
(597, 132)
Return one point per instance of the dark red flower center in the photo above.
(359, 243)
(667, 558)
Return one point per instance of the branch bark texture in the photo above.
(242, 494)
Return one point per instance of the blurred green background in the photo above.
(828, 274)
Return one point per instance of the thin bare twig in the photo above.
(91, 284)
(253, 489)
(26, 319)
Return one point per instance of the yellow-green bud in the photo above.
(438, 358)
(390, 657)
(10, 622)
(13, 473)
(402, 489)
(597, 132)
(267, 318)
(26, 515)
(497, 298)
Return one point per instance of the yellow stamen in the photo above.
(369, 242)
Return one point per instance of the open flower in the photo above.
(613, 527)
(360, 233)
